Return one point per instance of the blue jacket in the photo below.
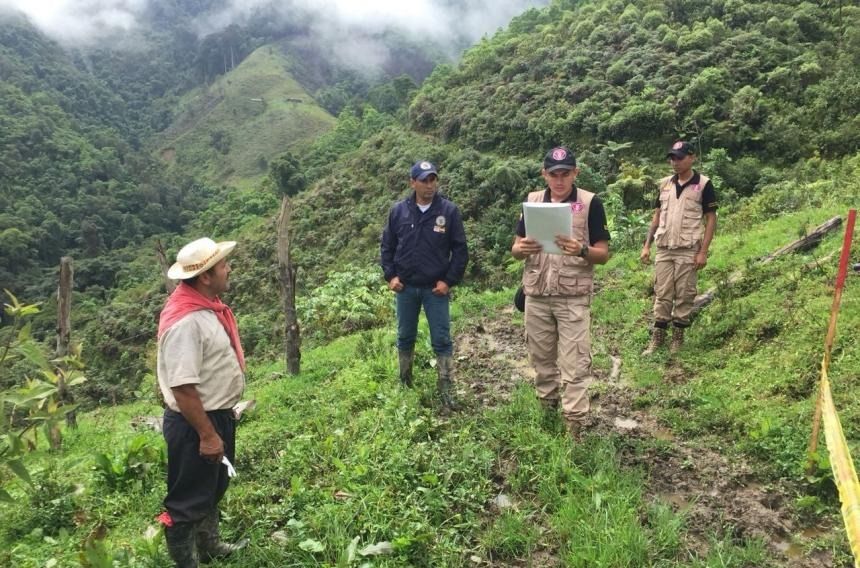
(423, 248)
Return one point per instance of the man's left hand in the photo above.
(441, 288)
(568, 245)
(701, 259)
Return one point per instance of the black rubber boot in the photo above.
(180, 545)
(404, 360)
(209, 542)
(445, 384)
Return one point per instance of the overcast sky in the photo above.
(86, 21)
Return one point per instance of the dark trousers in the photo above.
(194, 486)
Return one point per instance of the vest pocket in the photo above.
(573, 284)
(531, 280)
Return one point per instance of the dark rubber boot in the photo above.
(180, 544)
(445, 384)
(209, 539)
(405, 360)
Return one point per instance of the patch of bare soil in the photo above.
(492, 359)
(715, 495)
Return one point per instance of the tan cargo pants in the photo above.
(558, 336)
(675, 279)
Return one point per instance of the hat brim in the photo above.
(423, 175)
(678, 153)
(557, 167)
(178, 272)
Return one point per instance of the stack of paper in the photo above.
(544, 221)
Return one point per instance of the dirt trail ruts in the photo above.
(714, 494)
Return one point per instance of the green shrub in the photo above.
(132, 465)
(51, 507)
(351, 300)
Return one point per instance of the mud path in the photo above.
(716, 496)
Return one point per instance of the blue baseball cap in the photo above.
(421, 169)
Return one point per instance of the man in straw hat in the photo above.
(201, 375)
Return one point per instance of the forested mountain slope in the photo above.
(231, 130)
(70, 182)
(544, 81)
(772, 79)
(758, 87)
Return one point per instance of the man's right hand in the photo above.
(212, 448)
(526, 246)
(645, 255)
(395, 285)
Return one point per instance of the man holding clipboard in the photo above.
(558, 283)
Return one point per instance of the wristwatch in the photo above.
(583, 252)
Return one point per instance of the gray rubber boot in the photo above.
(180, 545)
(445, 383)
(658, 338)
(405, 360)
(209, 542)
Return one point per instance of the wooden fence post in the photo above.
(64, 333)
(287, 274)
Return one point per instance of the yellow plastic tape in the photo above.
(843, 467)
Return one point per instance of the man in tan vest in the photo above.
(686, 199)
(558, 290)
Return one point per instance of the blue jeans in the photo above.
(409, 302)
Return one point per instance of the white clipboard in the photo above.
(544, 221)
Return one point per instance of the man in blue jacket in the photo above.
(423, 254)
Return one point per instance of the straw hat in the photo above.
(197, 257)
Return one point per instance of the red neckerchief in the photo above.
(185, 299)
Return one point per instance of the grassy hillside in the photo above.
(228, 131)
(693, 461)
(616, 81)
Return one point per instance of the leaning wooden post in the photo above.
(804, 243)
(169, 284)
(831, 332)
(288, 290)
(64, 332)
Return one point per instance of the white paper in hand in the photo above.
(544, 221)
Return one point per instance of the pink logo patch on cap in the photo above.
(559, 154)
(677, 145)
(577, 206)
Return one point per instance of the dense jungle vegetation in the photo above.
(103, 150)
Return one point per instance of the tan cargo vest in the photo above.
(556, 274)
(680, 217)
